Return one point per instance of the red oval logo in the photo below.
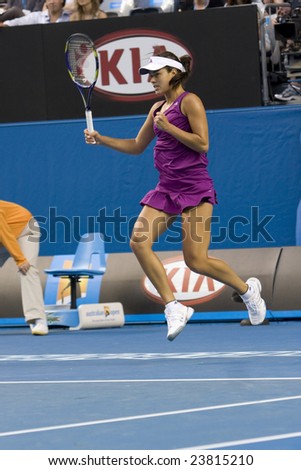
(122, 53)
(188, 287)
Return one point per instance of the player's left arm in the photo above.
(193, 108)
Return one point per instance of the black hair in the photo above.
(180, 77)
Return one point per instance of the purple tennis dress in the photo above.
(183, 177)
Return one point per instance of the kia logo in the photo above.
(122, 53)
(188, 287)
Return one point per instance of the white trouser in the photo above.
(31, 286)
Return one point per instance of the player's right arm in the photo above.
(133, 146)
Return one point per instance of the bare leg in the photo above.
(196, 240)
(150, 224)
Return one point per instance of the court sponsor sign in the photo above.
(108, 315)
(188, 287)
(122, 53)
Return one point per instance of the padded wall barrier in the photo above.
(126, 278)
(279, 270)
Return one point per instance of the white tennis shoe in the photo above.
(254, 302)
(39, 327)
(177, 315)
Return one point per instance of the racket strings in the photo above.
(81, 62)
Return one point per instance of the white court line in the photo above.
(146, 416)
(117, 381)
(222, 445)
(147, 356)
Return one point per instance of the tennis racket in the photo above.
(83, 67)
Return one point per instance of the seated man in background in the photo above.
(19, 239)
(53, 12)
(18, 8)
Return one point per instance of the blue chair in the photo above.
(90, 248)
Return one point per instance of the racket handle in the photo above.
(89, 120)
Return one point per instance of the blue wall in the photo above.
(255, 160)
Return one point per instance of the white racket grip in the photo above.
(89, 120)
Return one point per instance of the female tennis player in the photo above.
(179, 123)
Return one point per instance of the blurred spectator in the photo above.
(53, 13)
(87, 10)
(216, 3)
(182, 5)
(277, 13)
(277, 17)
(18, 8)
(283, 12)
(258, 3)
(69, 6)
(200, 4)
(231, 3)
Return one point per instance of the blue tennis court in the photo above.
(217, 386)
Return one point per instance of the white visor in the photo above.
(157, 63)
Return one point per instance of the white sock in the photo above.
(171, 303)
(247, 294)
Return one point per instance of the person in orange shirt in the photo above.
(19, 238)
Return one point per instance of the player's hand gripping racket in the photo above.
(83, 66)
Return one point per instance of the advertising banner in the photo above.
(225, 70)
